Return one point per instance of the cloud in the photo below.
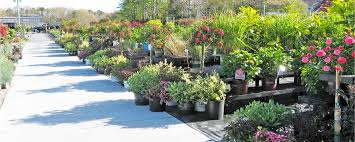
(103, 5)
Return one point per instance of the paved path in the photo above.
(55, 98)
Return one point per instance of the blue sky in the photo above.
(103, 5)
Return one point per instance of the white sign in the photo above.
(240, 74)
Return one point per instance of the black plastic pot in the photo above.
(239, 87)
(215, 109)
(155, 106)
(140, 100)
(186, 108)
(269, 83)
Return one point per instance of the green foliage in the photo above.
(119, 62)
(144, 79)
(271, 58)
(97, 56)
(173, 74)
(7, 69)
(102, 62)
(70, 47)
(155, 23)
(181, 92)
(85, 46)
(56, 33)
(269, 115)
(209, 88)
(248, 62)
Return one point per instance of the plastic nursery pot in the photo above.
(171, 103)
(186, 108)
(215, 109)
(155, 105)
(140, 100)
(100, 70)
(239, 87)
(3, 86)
(200, 107)
(269, 83)
(158, 53)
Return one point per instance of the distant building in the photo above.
(35, 21)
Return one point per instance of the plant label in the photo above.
(149, 47)
(240, 74)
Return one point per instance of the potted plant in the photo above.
(6, 71)
(155, 97)
(70, 47)
(181, 93)
(243, 67)
(142, 81)
(271, 58)
(215, 90)
(169, 102)
(198, 89)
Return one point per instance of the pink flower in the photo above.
(328, 41)
(221, 32)
(198, 35)
(341, 60)
(197, 41)
(328, 59)
(309, 55)
(337, 52)
(153, 36)
(339, 68)
(326, 68)
(312, 48)
(207, 29)
(349, 40)
(328, 48)
(204, 38)
(305, 59)
(353, 54)
(341, 48)
(320, 53)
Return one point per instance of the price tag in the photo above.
(149, 47)
(240, 74)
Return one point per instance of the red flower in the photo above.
(309, 55)
(168, 39)
(328, 48)
(320, 53)
(3, 30)
(305, 59)
(341, 60)
(197, 41)
(198, 35)
(338, 68)
(328, 41)
(326, 68)
(337, 52)
(341, 48)
(328, 59)
(159, 46)
(353, 54)
(349, 40)
(312, 48)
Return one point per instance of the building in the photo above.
(34, 22)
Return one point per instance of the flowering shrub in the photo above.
(3, 32)
(269, 136)
(206, 35)
(159, 36)
(333, 57)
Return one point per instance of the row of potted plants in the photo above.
(163, 85)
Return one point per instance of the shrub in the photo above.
(181, 92)
(144, 79)
(271, 58)
(7, 69)
(119, 62)
(70, 47)
(269, 116)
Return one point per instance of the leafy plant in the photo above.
(70, 47)
(209, 88)
(181, 92)
(271, 115)
(271, 58)
(144, 79)
(119, 62)
(240, 59)
(7, 69)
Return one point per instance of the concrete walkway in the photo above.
(55, 98)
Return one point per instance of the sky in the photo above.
(103, 5)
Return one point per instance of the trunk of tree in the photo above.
(337, 110)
